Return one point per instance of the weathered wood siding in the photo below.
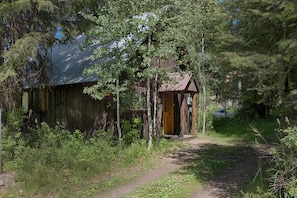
(69, 107)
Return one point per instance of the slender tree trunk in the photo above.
(155, 106)
(148, 103)
(203, 88)
(149, 114)
(118, 111)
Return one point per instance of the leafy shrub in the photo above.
(283, 182)
(134, 151)
(131, 130)
(56, 155)
(47, 160)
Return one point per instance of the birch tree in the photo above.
(155, 30)
(115, 41)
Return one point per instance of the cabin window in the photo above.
(43, 99)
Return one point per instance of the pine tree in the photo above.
(264, 39)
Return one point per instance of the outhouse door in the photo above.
(168, 112)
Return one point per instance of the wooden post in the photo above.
(194, 113)
(182, 114)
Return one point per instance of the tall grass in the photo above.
(242, 130)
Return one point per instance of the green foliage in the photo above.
(260, 51)
(55, 161)
(15, 121)
(136, 150)
(13, 144)
(55, 154)
(283, 173)
(280, 178)
(240, 129)
(131, 130)
(23, 48)
(175, 185)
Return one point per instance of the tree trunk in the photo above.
(204, 110)
(145, 126)
(149, 114)
(148, 102)
(183, 114)
(118, 111)
(155, 106)
(204, 88)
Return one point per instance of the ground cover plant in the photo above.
(242, 130)
(55, 162)
(68, 165)
(173, 185)
(279, 179)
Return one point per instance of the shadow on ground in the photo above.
(223, 168)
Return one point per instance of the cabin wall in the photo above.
(69, 107)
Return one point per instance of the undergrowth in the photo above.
(279, 180)
(242, 130)
(55, 162)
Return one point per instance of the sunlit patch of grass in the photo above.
(175, 185)
(231, 129)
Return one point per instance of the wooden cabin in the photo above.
(62, 101)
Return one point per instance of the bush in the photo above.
(55, 154)
(48, 160)
(283, 182)
(131, 130)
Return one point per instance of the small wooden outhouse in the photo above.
(179, 104)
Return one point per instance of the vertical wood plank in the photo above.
(194, 113)
(182, 114)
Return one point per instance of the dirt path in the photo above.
(225, 184)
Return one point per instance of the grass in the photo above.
(215, 159)
(230, 129)
(174, 185)
(127, 165)
(210, 161)
(63, 182)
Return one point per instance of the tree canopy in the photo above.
(262, 48)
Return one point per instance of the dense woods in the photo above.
(261, 40)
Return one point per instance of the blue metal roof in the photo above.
(69, 62)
